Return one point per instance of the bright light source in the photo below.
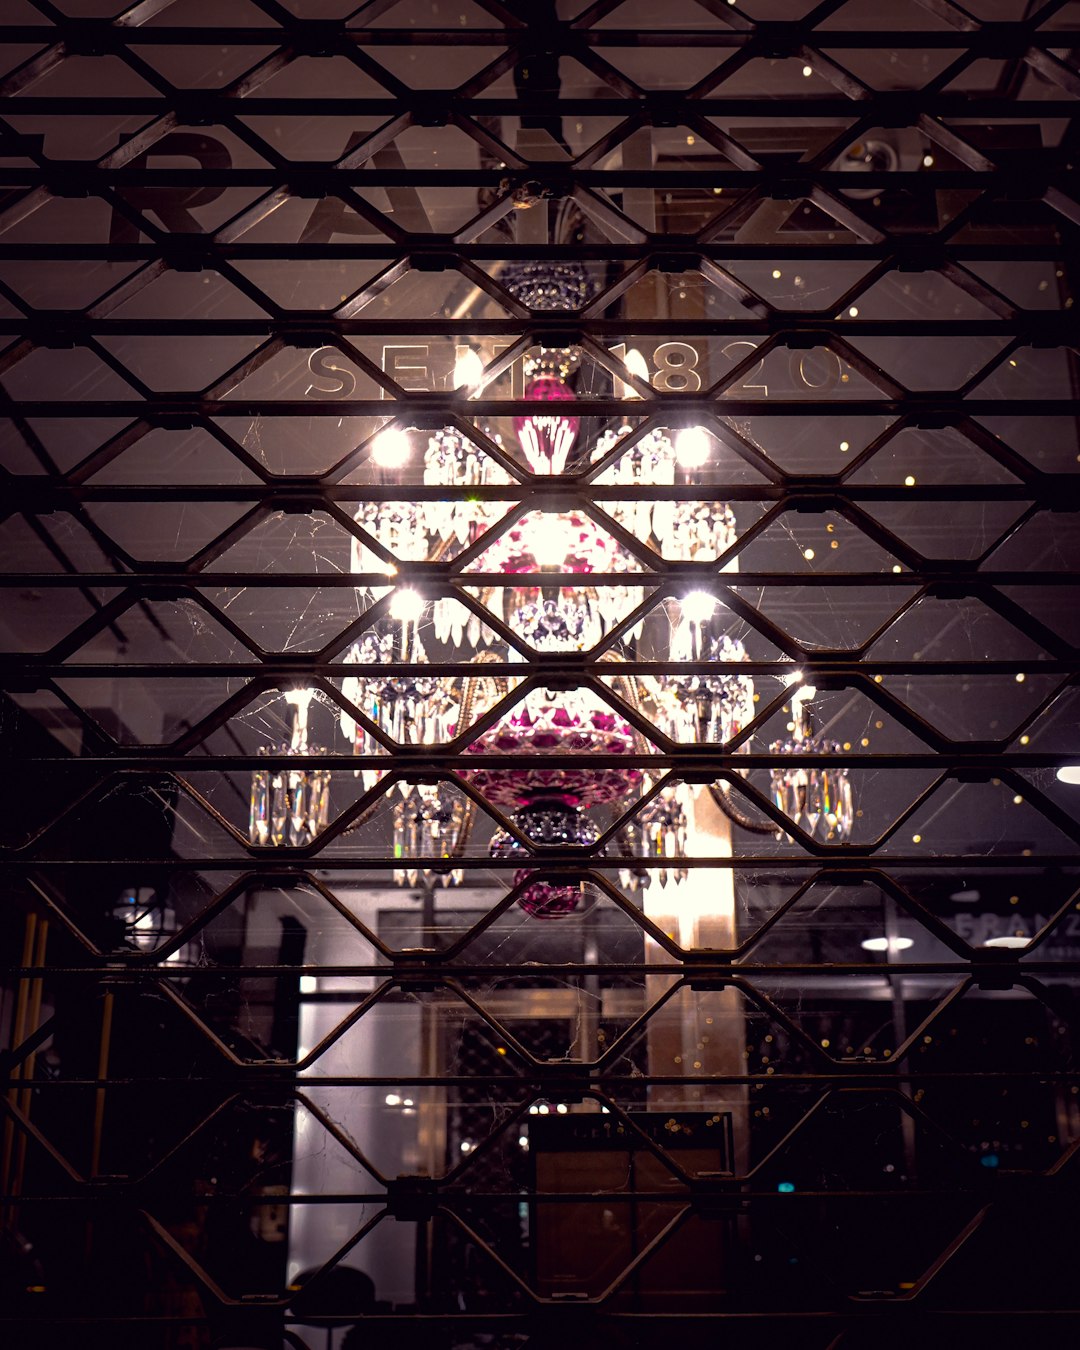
(562, 1108)
(793, 677)
(549, 539)
(391, 448)
(636, 364)
(392, 1099)
(884, 944)
(1006, 942)
(406, 606)
(692, 446)
(1069, 773)
(523, 1141)
(808, 71)
(468, 370)
(308, 984)
(698, 606)
(466, 1146)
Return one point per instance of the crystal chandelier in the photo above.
(554, 608)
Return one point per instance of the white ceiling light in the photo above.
(884, 944)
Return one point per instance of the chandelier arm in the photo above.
(627, 688)
(722, 798)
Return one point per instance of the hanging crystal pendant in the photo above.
(289, 807)
(658, 831)
(817, 798)
(429, 824)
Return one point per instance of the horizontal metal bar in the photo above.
(694, 759)
(669, 246)
(1035, 175)
(33, 493)
(560, 36)
(841, 858)
(440, 581)
(934, 404)
(1063, 326)
(716, 1190)
(906, 104)
(858, 1075)
(29, 670)
(124, 968)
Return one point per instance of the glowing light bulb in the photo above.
(549, 539)
(1069, 773)
(698, 606)
(468, 370)
(406, 606)
(692, 446)
(391, 448)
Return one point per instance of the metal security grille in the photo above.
(313, 1038)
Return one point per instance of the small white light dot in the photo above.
(897, 567)
(1021, 678)
(808, 71)
(777, 274)
(844, 445)
(392, 1099)
(909, 481)
(808, 553)
(928, 161)
(854, 311)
